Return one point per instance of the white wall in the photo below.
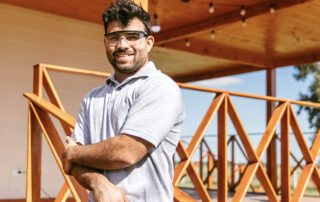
(26, 38)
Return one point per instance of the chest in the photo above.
(109, 110)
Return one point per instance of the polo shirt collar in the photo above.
(145, 71)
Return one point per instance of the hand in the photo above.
(108, 192)
(67, 164)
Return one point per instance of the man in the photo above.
(127, 130)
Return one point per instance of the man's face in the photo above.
(126, 57)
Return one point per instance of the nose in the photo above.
(122, 43)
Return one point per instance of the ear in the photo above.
(150, 42)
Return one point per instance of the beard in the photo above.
(122, 66)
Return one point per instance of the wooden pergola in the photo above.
(289, 36)
(201, 45)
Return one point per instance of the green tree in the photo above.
(313, 95)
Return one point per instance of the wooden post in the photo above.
(34, 147)
(201, 161)
(232, 162)
(222, 153)
(210, 174)
(272, 150)
(285, 157)
(33, 191)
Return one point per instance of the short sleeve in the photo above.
(81, 133)
(155, 111)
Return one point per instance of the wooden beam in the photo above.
(34, 150)
(305, 58)
(223, 51)
(241, 132)
(210, 169)
(187, 165)
(72, 70)
(222, 152)
(181, 196)
(37, 80)
(57, 147)
(210, 74)
(271, 128)
(272, 150)
(54, 98)
(303, 182)
(285, 156)
(245, 182)
(205, 123)
(52, 109)
(63, 193)
(266, 184)
(198, 28)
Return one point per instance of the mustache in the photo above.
(122, 52)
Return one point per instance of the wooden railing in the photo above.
(40, 122)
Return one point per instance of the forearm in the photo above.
(111, 154)
(87, 177)
(103, 190)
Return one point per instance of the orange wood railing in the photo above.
(40, 122)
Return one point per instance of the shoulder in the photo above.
(95, 93)
(159, 80)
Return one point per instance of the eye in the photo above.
(113, 37)
(132, 37)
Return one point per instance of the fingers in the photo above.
(67, 165)
(125, 198)
(70, 142)
(68, 139)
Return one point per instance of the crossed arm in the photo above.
(83, 161)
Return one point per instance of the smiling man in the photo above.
(128, 129)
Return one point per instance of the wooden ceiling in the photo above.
(289, 36)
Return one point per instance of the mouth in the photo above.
(123, 56)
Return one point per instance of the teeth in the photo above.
(122, 55)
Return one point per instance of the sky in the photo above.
(252, 112)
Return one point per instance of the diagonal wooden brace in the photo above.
(56, 146)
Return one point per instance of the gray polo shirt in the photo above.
(147, 105)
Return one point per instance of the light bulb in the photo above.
(244, 23)
(213, 34)
(211, 9)
(156, 26)
(272, 8)
(188, 43)
(243, 11)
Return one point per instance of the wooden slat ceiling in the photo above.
(289, 36)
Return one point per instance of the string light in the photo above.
(272, 8)
(188, 43)
(156, 26)
(211, 9)
(213, 34)
(244, 23)
(243, 11)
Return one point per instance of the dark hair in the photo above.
(124, 11)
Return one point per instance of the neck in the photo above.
(122, 76)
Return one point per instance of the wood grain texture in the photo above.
(285, 156)
(57, 147)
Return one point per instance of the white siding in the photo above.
(29, 37)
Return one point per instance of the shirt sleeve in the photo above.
(155, 111)
(81, 132)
